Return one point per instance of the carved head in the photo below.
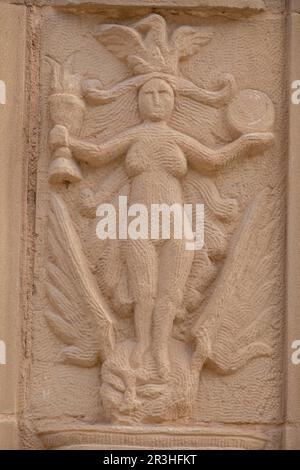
(156, 100)
(131, 396)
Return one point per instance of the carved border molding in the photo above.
(292, 378)
(12, 205)
(151, 437)
(226, 6)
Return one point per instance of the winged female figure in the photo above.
(157, 160)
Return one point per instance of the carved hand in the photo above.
(257, 142)
(228, 85)
(59, 137)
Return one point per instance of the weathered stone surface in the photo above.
(293, 375)
(102, 96)
(295, 5)
(143, 343)
(239, 4)
(237, 7)
(9, 435)
(12, 71)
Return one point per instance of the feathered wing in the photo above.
(125, 43)
(188, 40)
(155, 34)
(230, 330)
(219, 213)
(146, 47)
(111, 264)
(77, 313)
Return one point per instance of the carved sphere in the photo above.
(251, 111)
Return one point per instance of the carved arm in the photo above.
(204, 158)
(95, 155)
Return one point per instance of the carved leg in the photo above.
(143, 322)
(163, 318)
(174, 267)
(142, 271)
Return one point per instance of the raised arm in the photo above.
(205, 158)
(95, 155)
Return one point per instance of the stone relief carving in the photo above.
(147, 315)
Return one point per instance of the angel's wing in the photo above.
(188, 40)
(155, 34)
(219, 213)
(143, 53)
(78, 313)
(155, 28)
(241, 307)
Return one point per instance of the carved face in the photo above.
(156, 100)
(138, 395)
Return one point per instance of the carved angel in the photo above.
(156, 161)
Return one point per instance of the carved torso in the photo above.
(156, 164)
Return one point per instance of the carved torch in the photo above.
(67, 109)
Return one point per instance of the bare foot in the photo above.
(130, 401)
